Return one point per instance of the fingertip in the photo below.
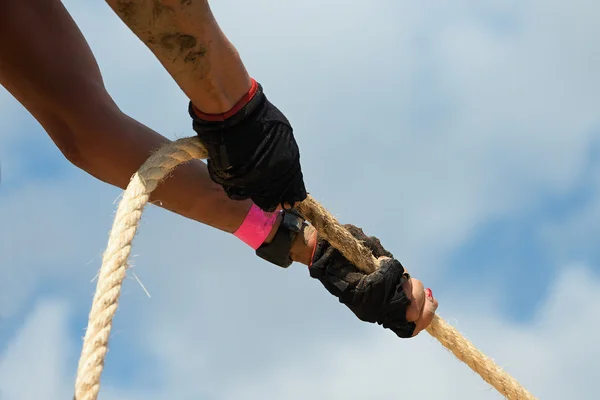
(431, 299)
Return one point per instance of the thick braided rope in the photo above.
(114, 266)
(114, 260)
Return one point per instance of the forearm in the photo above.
(187, 40)
(115, 146)
(116, 153)
(54, 74)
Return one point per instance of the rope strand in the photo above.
(114, 268)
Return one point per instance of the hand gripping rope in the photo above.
(125, 225)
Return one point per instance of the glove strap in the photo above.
(278, 250)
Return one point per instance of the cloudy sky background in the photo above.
(465, 135)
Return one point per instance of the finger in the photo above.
(357, 232)
(373, 243)
(381, 259)
(427, 313)
(414, 290)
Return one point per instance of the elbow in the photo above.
(85, 144)
(74, 154)
(81, 155)
(75, 157)
(72, 147)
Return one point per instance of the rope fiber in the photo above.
(115, 262)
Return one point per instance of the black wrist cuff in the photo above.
(278, 250)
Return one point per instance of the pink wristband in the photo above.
(256, 227)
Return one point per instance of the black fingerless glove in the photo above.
(253, 154)
(377, 297)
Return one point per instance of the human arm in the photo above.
(252, 150)
(49, 68)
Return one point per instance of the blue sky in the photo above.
(465, 135)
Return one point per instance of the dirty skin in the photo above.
(158, 8)
(182, 46)
(127, 10)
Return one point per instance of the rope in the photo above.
(114, 267)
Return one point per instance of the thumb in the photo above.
(427, 313)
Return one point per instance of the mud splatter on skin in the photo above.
(192, 56)
(127, 10)
(170, 41)
(158, 8)
(185, 45)
(149, 39)
(181, 46)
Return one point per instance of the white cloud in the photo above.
(571, 235)
(519, 116)
(51, 232)
(33, 364)
(555, 356)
